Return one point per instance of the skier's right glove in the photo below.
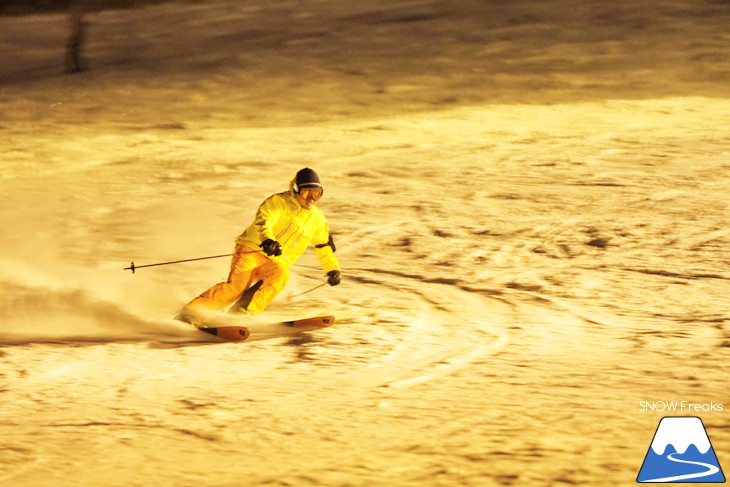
(271, 247)
(334, 278)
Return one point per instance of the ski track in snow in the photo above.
(434, 343)
(532, 226)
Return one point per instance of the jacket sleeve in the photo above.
(324, 248)
(268, 214)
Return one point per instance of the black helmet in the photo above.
(306, 179)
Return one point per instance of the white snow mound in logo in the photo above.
(680, 432)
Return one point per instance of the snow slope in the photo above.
(530, 206)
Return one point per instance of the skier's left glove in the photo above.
(334, 278)
(271, 247)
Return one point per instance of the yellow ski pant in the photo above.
(248, 266)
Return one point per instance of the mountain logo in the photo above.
(681, 452)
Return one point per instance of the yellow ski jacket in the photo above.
(280, 217)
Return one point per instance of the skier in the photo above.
(284, 226)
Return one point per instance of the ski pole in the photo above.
(135, 267)
(307, 292)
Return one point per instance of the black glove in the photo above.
(271, 247)
(334, 278)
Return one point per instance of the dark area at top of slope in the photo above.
(23, 7)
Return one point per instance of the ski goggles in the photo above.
(311, 193)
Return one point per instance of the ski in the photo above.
(262, 331)
(318, 321)
(229, 333)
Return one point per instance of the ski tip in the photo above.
(229, 333)
(321, 321)
(234, 333)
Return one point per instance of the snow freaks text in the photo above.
(680, 407)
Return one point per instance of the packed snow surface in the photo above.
(529, 200)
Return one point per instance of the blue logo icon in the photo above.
(681, 452)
